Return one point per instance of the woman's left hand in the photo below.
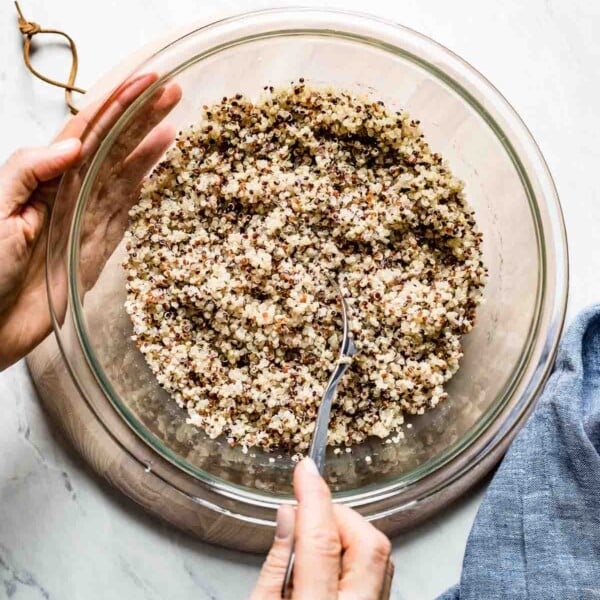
(28, 185)
(28, 182)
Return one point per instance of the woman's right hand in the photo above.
(339, 555)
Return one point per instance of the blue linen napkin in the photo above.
(537, 532)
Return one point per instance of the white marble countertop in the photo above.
(66, 535)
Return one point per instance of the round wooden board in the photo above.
(102, 452)
(107, 457)
(124, 469)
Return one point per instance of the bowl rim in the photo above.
(372, 492)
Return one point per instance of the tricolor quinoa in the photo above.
(235, 246)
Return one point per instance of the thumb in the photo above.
(28, 167)
(270, 580)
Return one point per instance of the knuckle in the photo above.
(325, 543)
(18, 155)
(276, 560)
(381, 548)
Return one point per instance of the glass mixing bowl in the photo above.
(507, 356)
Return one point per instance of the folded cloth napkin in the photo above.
(537, 532)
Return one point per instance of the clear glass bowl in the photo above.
(507, 356)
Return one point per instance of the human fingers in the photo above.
(28, 167)
(117, 102)
(318, 545)
(112, 110)
(119, 178)
(154, 110)
(76, 125)
(365, 558)
(108, 213)
(91, 124)
(270, 580)
(137, 165)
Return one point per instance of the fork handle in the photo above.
(318, 446)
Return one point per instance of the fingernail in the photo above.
(65, 145)
(285, 522)
(309, 466)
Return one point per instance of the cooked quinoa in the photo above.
(237, 242)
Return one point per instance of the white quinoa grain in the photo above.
(235, 242)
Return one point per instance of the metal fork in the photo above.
(318, 443)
